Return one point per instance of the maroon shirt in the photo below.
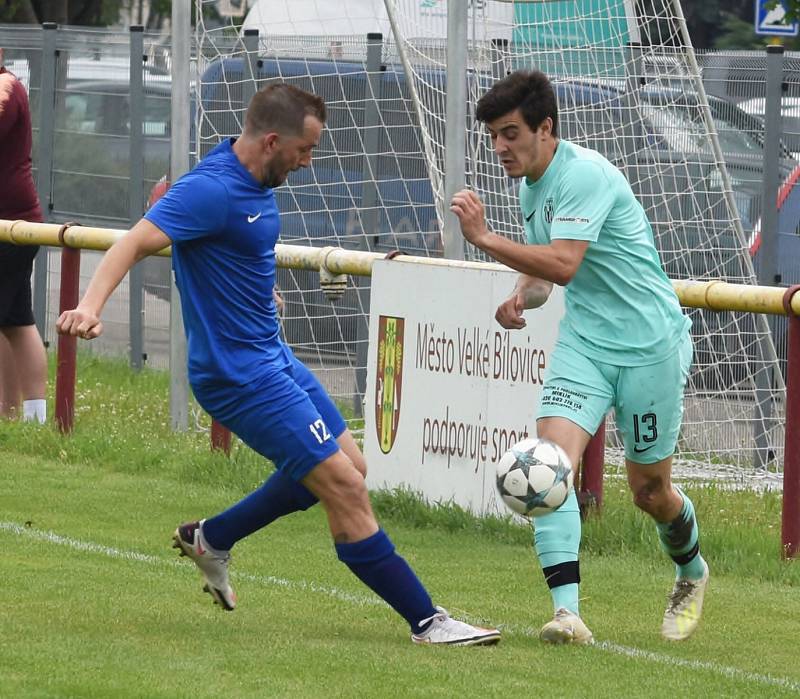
(18, 197)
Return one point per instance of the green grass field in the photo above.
(97, 604)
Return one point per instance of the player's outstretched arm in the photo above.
(142, 240)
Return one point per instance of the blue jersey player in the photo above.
(222, 222)
(623, 342)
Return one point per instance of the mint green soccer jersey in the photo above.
(621, 308)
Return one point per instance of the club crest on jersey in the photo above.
(548, 210)
(388, 379)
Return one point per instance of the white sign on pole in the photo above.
(448, 389)
(771, 19)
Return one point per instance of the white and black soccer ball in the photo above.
(534, 477)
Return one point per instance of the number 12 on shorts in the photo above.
(319, 430)
(645, 422)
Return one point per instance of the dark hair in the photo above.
(282, 108)
(529, 91)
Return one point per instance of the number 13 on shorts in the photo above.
(644, 428)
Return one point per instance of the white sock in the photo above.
(35, 409)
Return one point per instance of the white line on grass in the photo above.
(265, 580)
(363, 600)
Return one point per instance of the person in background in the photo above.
(23, 355)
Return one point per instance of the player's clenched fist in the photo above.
(468, 207)
(509, 313)
(79, 323)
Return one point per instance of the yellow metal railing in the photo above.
(333, 263)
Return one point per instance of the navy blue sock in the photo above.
(278, 496)
(374, 561)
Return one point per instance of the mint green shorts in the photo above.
(647, 400)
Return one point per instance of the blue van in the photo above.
(328, 196)
(666, 149)
(593, 114)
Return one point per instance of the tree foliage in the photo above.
(737, 34)
(703, 18)
(792, 9)
(95, 13)
(92, 13)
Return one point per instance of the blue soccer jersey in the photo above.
(223, 226)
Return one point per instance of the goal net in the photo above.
(369, 185)
(628, 85)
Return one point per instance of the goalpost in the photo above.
(628, 85)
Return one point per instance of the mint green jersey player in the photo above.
(623, 341)
(620, 283)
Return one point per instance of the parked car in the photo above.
(790, 111)
(672, 132)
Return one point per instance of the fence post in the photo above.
(455, 138)
(590, 488)
(368, 211)
(66, 358)
(790, 519)
(220, 437)
(44, 166)
(136, 193)
(249, 68)
(767, 269)
(180, 145)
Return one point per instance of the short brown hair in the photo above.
(282, 108)
(530, 91)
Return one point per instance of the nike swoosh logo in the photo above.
(252, 219)
(641, 451)
(530, 215)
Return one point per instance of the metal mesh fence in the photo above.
(90, 148)
(370, 186)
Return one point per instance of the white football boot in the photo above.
(566, 627)
(213, 565)
(684, 608)
(445, 630)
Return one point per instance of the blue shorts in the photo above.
(285, 415)
(647, 400)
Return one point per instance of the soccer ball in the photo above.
(534, 477)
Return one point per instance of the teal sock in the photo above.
(557, 538)
(679, 538)
(566, 597)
